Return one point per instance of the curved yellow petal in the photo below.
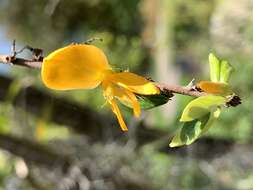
(134, 83)
(74, 67)
(128, 98)
(110, 92)
(107, 90)
(116, 111)
(215, 87)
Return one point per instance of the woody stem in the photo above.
(184, 90)
(12, 60)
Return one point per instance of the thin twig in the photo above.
(8, 59)
(181, 90)
(12, 59)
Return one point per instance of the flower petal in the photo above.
(215, 87)
(134, 83)
(109, 93)
(74, 67)
(128, 98)
(116, 111)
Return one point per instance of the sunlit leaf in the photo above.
(225, 71)
(201, 106)
(214, 64)
(213, 116)
(190, 131)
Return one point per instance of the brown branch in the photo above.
(7, 59)
(184, 90)
(36, 62)
(171, 89)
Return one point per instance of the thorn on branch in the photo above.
(191, 84)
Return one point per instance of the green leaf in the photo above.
(213, 116)
(201, 106)
(226, 71)
(151, 101)
(192, 130)
(214, 64)
(220, 71)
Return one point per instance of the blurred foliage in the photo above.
(199, 27)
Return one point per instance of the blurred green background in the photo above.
(71, 140)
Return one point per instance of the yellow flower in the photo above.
(85, 67)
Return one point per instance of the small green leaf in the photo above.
(151, 101)
(214, 64)
(201, 106)
(226, 71)
(190, 131)
(213, 116)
